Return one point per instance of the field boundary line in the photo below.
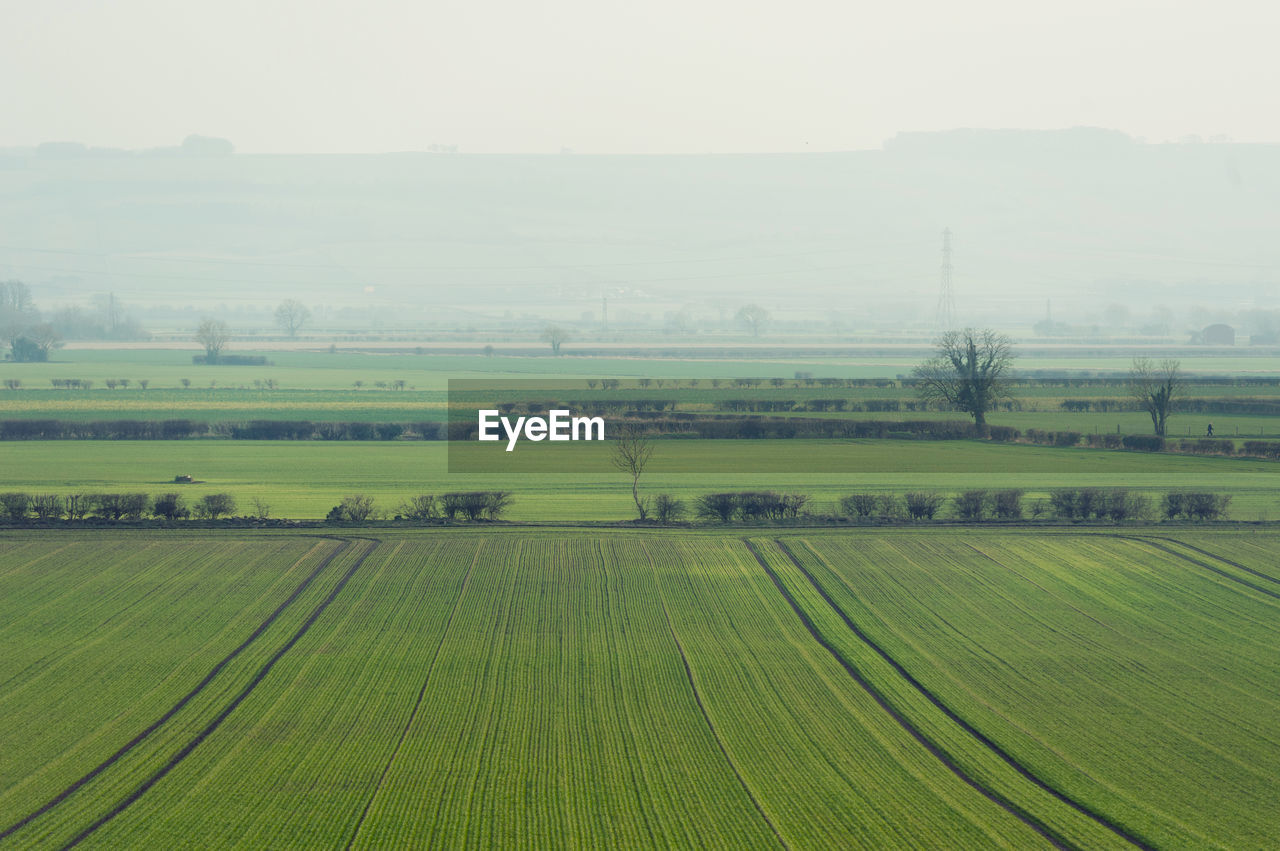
(697, 697)
(919, 735)
(182, 702)
(213, 725)
(1154, 543)
(417, 704)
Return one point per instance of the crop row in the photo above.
(84, 696)
(1119, 673)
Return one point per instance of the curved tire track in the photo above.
(184, 700)
(933, 747)
(1153, 542)
(213, 725)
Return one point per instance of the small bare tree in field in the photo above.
(292, 315)
(632, 449)
(556, 336)
(1156, 387)
(213, 334)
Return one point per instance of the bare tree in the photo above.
(632, 449)
(1156, 387)
(556, 336)
(213, 334)
(968, 373)
(292, 315)
(754, 317)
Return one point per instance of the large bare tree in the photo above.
(969, 372)
(213, 334)
(292, 315)
(632, 449)
(1156, 386)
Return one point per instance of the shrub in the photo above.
(892, 507)
(47, 506)
(716, 506)
(120, 506)
(1090, 503)
(1003, 434)
(1196, 505)
(14, 505)
(169, 506)
(970, 505)
(859, 505)
(668, 509)
(1262, 448)
(474, 505)
(922, 505)
(77, 505)
(1007, 504)
(1207, 506)
(356, 508)
(213, 505)
(496, 503)
(1063, 502)
(420, 508)
(1143, 442)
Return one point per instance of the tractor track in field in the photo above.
(185, 699)
(697, 698)
(213, 725)
(1153, 541)
(417, 704)
(934, 748)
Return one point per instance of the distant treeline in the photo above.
(231, 360)
(1190, 405)
(183, 429)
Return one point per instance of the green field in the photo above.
(535, 688)
(304, 479)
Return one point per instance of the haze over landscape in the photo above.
(1114, 233)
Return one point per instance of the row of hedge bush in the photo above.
(20, 507)
(1116, 505)
(185, 429)
(1185, 405)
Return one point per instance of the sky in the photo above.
(641, 76)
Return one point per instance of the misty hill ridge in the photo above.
(1069, 215)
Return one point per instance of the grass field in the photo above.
(807, 689)
(305, 479)
(320, 370)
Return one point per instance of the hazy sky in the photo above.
(646, 76)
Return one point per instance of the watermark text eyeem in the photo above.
(557, 425)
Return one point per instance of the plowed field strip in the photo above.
(925, 692)
(417, 704)
(213, 725)
(697, 697)
(1237, 565)
(1152, 542)
(933, 747)
(183, 701)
